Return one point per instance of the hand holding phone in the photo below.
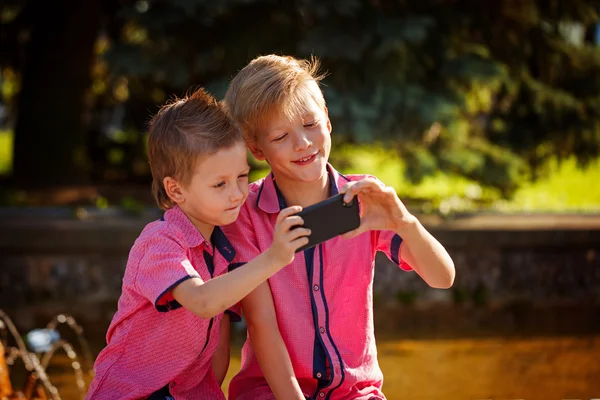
(328, 219)
(288, 236)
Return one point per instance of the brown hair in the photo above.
(271, 85)
(181, 131)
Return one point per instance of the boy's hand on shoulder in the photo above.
(381, 209)
(288, 236)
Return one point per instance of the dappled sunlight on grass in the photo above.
(565, 187)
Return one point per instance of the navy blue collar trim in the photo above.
(220, 241)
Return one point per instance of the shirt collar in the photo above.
(193, 236)
(270, 199)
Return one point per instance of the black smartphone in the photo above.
(329, 218)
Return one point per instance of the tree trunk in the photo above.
(50, 141)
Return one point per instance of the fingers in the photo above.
(286, 212)
(290, 222)
(297, 243)
(351, 189)
(289, 230)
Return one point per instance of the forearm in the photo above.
(426, 255)
(275, 363)
(207, 299)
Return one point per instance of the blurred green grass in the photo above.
(565, 187)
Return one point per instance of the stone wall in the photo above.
(52, 262)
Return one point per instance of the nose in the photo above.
(237, 193)
(301, 141)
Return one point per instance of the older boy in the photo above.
(323, 300)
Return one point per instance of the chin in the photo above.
(230, 218)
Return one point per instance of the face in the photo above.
(297, 150)
(217, 190)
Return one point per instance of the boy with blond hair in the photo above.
(323, 299)
(163, 339)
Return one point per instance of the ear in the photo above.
(174, 190)
(329, 127)
(256, 152)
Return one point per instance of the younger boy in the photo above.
(176, 287)
(323, 300)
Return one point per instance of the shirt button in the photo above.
(321, 394)
(316, 287)
(322, 329)
(319, 375)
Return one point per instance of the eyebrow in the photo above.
(304, 118)
(245, 170)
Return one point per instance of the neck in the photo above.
(304, 193)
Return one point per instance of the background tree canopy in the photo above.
(486, 90)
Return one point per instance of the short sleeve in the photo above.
(388, 242)
(164, 265)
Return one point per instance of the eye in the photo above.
(311, 124)
(279, 138)
(219, 185)
(243, 176)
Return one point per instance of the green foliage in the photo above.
(469, 94)
(471, 88)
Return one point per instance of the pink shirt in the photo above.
(153, 342)
(323, 302)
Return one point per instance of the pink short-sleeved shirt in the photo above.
(153, 342)
(323, 302)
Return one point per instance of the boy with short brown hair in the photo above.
(162, 339)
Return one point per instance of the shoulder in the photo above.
(159, 235)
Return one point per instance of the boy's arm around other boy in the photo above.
(381, 209)
(207, 299)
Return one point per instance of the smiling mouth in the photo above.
(306, 159)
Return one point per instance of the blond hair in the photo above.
(182, 131)
(272, 85)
